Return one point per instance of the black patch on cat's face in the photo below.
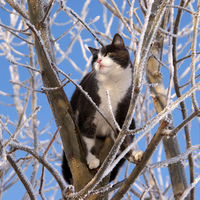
(94, 54)
(117, 51)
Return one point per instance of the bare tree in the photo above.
(46, 44)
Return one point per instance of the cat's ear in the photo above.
(118, 41)
(93, 50)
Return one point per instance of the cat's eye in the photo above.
(108, 54)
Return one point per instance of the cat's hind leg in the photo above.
(92, 161)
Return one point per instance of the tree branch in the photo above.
(17, 8)
(43, 161)
(84, 24)
(194, 44)
(22, 177)
(139, 167)
(178, 94)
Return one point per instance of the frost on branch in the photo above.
(159, 45)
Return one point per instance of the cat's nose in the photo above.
(99, 61)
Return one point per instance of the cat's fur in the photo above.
(111, 70)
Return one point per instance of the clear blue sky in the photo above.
(44, 115)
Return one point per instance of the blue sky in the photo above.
(45, 115)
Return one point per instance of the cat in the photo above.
(111, 70)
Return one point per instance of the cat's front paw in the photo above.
(138, 155)
(93, 162)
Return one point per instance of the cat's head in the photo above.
(111, 57)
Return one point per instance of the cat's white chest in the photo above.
(117, 87)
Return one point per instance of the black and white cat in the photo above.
(111, 70)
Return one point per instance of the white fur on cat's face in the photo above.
(104, 64)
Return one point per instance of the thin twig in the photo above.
(41, 42)
(23, 65)
(168, 33)
(16, 6)
(43, 161)
(50, 6)
(111, 111)
(188, 82)
(108, 188)
(191, 186)
(67, 9)
(176, 159)
(51, 142)
(43, 129)
(170, 56)
(22, 126)
(161, 63)
(194, 44)
(137, 17)
(22, 177)
(175, 131)
(121, 17)
(178, 92)
(161, 197)
(186, 57)
(66, 31)
(54, 88)
(24, 108)
(183, 8)
(41, 184)
(28, 88)
(112, 10)
(10, 30)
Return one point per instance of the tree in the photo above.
(162, 38)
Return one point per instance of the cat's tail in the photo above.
(66, 170)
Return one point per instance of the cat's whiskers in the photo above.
(91, 74)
